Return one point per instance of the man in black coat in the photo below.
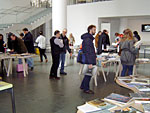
(28, 40)
(90, 58)
(103, 42)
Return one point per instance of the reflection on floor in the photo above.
(38, 94)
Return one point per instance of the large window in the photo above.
(41, 3)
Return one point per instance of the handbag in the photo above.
(20, 67)
(81, 57)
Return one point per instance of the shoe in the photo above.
(89, 92)
(57, 78)
(51, 77)
(81, 88)
(46, 60)
(63, 73)
(32, 68)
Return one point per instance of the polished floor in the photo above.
(38, 94)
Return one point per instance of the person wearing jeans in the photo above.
(90, 58)
(64, 51)
(128, 52)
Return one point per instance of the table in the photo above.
(17, 56)
(6, 87)
(146, 49)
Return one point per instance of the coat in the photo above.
(88, 49)
(105, 40)
(19, 46)
(128, 52)
(28, 40)
(1, 46)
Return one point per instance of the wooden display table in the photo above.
(8, 88)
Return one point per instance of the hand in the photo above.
(71, 54)
(90, 66)
(105, 49)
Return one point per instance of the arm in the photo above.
(59, 43)
(37, 40)
(132, 48)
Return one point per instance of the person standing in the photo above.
(56, 45)
(2, 44)
(64, 51)
(88, 49)
(128, 52)
(28, 40)
(97, 38)
(137, 36)
(41, 40)
(105, 42)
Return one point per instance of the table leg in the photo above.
(102, 69)
(24, 66)
(13, 101)
(134, 70)
(9, 67)
(118, 70)
(144, 52)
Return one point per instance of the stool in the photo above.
(8, 88)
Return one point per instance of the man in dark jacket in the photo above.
(103, 42)
(90, 58)
(28, 40)
(56, 45)
(18, 45)
(64, 51)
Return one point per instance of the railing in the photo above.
(71, 2)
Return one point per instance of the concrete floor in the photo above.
(38, 94)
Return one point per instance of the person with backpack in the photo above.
(90, 58)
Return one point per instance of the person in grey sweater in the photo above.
(128, 52)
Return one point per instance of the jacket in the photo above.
(55, 47)
(66, 44)
(99, 50)
(1, 46)
(28, 40)
(105, 40)
(41, 40)
(88, 49)
(19, 46)
(128, 52)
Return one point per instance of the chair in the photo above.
(6, 87)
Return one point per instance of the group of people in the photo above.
(128, 52)
(19, 45)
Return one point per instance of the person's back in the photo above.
(41, 40)
(28, 40)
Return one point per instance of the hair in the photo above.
(41, 32)
(97, 35)
(25, 29)
(104, 31)
(13, 35)
(128, 34)
(91, 27)
(1, 36)
(21, 34)
(56, 32)
(135, 32)
(117, 34)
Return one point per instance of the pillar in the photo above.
(59, 15)
(123, 24)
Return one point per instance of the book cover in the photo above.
(146, 107)
(118, 97)
(139, 95)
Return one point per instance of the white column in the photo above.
(47, 33)
(59, 15)
(123, 24)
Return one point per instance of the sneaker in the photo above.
(63, 73)
(46, 60)
(57, 78)
(89, 92)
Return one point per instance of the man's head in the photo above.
(57, 33)
(41, 33)
(21, 35)
(13, 37)
(1, 37)
(64, 32)
(105, 31)
(92, 29)
(25, 30)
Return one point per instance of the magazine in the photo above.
(146, 107)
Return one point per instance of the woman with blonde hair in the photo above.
(97, 38)
(128, 52)
(71, 39)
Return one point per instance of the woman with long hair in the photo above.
(97, 38)
(128, 52)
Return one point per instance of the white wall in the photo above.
(135, 25)
(80, 16)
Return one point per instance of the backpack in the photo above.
(81, 57)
